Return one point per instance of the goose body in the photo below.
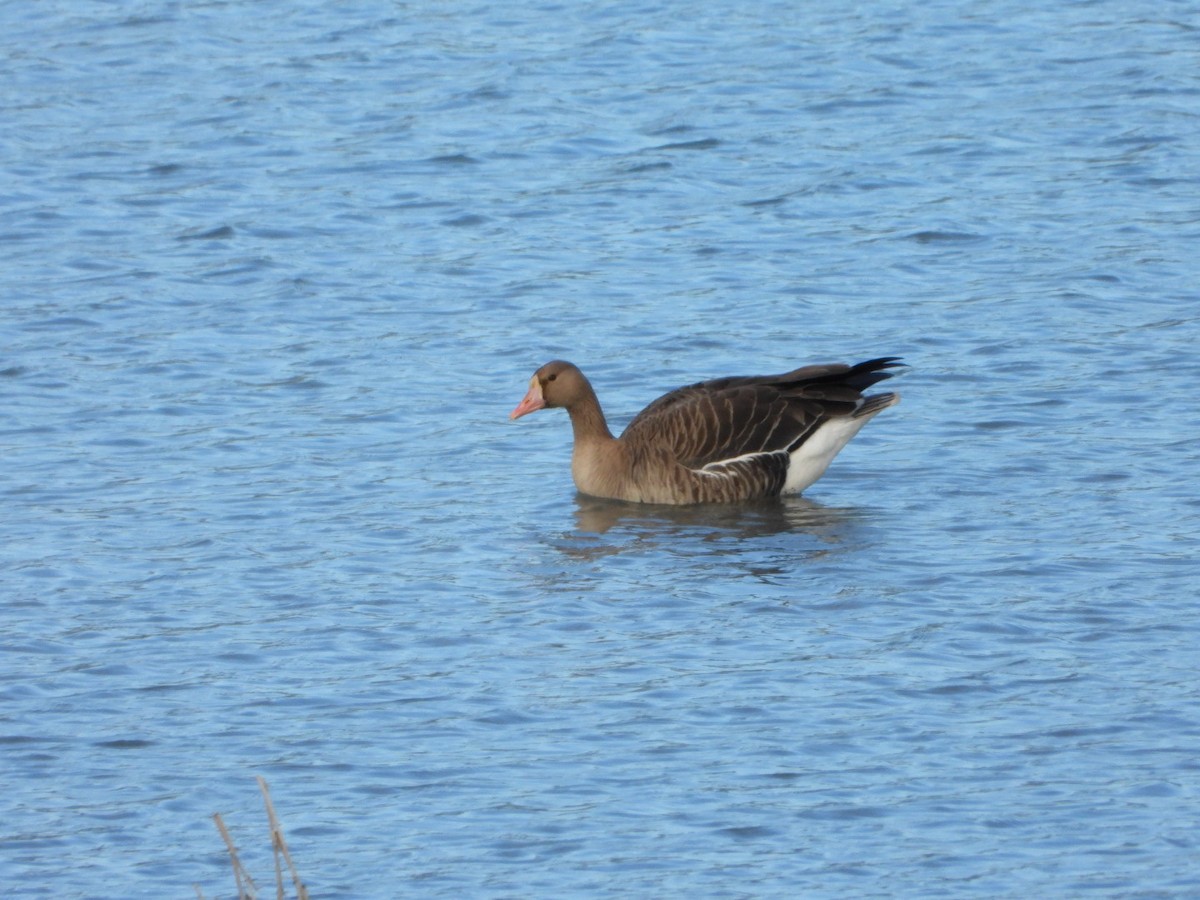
(720, 441)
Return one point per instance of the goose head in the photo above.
(556, 384)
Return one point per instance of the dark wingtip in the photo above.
(883, 362)
(873, 371)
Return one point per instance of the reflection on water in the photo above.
(746, 520)
(609, 527)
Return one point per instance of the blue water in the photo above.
(272, 275)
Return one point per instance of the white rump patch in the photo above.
(812, 458)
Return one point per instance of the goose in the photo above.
(722, 441)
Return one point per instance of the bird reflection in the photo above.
(608, 527)
(599, 516)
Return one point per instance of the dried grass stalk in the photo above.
(279, 845)
(247, 889)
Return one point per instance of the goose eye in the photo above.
(552, 376)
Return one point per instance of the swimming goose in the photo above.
(720, 441)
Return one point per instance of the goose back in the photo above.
(718, 420)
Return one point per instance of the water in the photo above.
(272, 277)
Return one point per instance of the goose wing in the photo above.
(713, 422)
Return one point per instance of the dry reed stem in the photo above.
(280, 847)
(247, 889)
